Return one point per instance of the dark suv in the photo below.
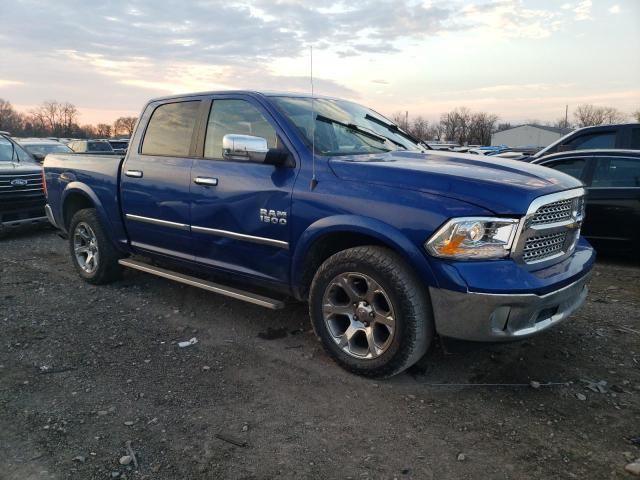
(22, 197)
(624, 136)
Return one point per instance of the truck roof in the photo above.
(262, 93)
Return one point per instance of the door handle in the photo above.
(208, 181)
(134, 173)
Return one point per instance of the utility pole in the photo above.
(406, 120)
(566, 116)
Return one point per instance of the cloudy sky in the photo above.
(520, 59)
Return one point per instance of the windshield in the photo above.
(344, 128)
(44, 149)
(6, 150)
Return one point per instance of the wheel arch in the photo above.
(331, 235)
(74, 198)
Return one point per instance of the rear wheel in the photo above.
(370, 311)
(93, 255)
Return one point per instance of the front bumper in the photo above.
(17, 219)
(489, 317)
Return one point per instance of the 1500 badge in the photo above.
(275, 217)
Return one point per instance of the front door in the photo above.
(240, 209)
(156, 180)
(613, 201)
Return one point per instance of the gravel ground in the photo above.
(84, 370)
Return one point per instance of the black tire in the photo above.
(106, 268)
(409, 306)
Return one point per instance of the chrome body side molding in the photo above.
(241, 236)
(157, 221)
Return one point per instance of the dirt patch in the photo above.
(84, 370)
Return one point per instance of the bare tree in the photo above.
(456, 125)
(87, 131)
(68, 118)
(435, 131)
(419, 128)
(587, 115)
(10, 120)
(636, 115)
(401, 119)
(481, 127)
(613, 115)
(561, 122)
(125, 125)
(103, 130)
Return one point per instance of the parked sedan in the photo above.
(41, 147)
(612, 178)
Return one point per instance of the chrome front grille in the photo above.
(551, 228)
(543, 246)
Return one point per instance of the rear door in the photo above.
(240, 209)
(156, 178)
(613, 201)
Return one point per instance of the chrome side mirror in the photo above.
(244, 148)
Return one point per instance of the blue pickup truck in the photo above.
(272, 197)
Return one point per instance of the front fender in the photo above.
(381, 231)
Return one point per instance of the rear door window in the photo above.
(594, 140)
(635, 139)
(616, 172)
(170, 129)
(571, 166)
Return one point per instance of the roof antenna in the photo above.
(314, 180)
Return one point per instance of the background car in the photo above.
(97, 147)
(612, 179)
(41, 147)
(619, 136)
(22, 200)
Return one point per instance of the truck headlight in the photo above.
(471, 238)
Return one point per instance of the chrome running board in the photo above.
(204, 284)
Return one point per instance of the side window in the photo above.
(570, 166)
(615, 172)
(170, 129)
(594, 140)
(635, 139)
(235, 117)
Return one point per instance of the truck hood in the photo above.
(8, 168)
(498, 185)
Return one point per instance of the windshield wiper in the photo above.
(395, 129)
(352, 126)
(361, 130)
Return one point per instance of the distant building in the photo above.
(529, 135)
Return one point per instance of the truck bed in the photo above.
(95, 176)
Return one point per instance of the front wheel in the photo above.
(93, 255)
(370, 311)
